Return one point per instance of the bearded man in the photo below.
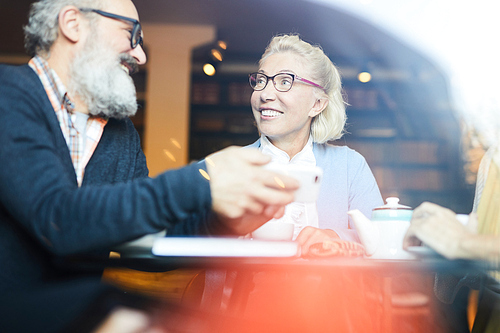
(73, 178)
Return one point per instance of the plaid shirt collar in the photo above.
(81, 145)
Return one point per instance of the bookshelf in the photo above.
(408, 168)
(411, 143)
(220, 114)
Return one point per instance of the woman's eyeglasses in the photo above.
(135, 34)
(282, 81)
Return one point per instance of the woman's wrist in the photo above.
(480, 247)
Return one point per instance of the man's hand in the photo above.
(245, 195)
(310, 235)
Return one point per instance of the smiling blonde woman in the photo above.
(298, 107)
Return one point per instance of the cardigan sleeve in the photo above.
(364, 193)
(348, 184)
(38, 189)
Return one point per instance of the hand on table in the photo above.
(310, 235)
(245, 195)
(439, 229)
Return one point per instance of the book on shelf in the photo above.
(391, 179)
(400, 152)
(365, 99)
(239, 93)
(210, 123)
(241, 123)
(205, 93)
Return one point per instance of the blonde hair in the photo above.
(329, 124)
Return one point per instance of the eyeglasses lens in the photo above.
(136, 35)
(258, 81)
(283, 82)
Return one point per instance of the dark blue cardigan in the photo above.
(45, 216)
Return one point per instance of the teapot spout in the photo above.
(367, 231)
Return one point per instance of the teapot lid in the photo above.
(392, 203)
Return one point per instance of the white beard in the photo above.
(97, 77)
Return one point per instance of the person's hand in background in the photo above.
(439, 228)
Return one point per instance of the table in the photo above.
(310, 295)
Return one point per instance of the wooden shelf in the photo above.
(401, 152)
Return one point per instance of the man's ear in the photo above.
(70, 23)
(319, 105)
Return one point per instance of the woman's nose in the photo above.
(269, 92)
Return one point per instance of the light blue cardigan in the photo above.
(348, 183)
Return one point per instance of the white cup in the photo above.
(274, 230)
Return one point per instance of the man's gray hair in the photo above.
(42, 28)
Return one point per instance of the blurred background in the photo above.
(419, 76)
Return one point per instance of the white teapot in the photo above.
(383, 236)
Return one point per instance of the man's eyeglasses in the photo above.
(282, 81)
(135, 34)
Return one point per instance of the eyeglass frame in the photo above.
(294, 77)
(136, 23)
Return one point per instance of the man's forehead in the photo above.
(121, 7)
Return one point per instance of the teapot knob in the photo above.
(392, 201)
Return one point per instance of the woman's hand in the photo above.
(310, 235)
(439, 229)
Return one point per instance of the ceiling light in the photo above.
(364, 77)
(209, 69)
(222, 44)
(216, 54)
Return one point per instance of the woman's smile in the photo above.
(269, 113)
